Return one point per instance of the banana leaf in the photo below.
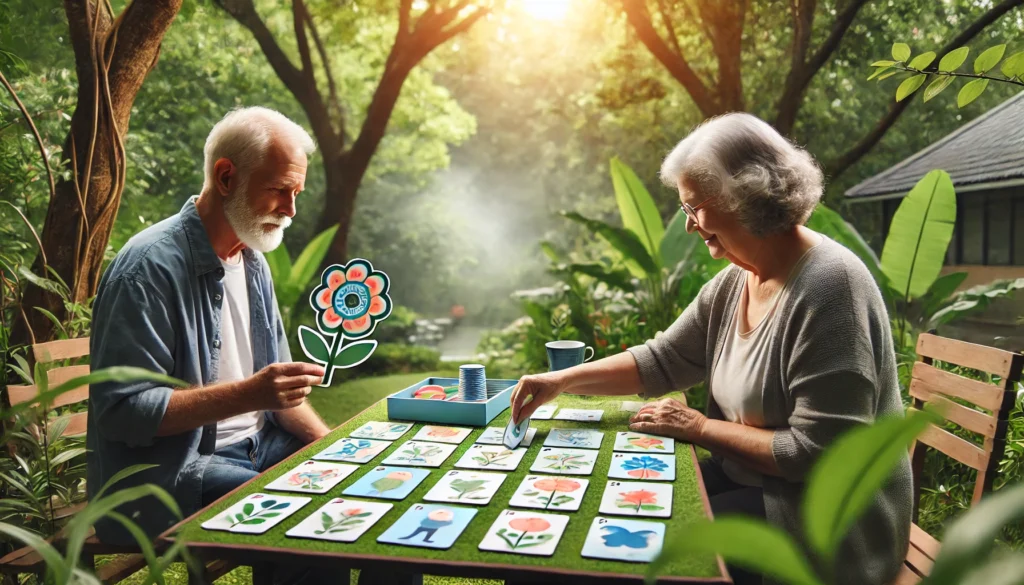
(639, 213)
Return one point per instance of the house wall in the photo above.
(1000, 324)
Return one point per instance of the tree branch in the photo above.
(244, 12)
(896, 109)
(332, 88)
(404, 11)
(663, 10)
(300, 18)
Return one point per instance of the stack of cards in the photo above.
(525, 533)
(340, 520)
(429, 526)
(493, 436)
(420, 454)
(626, 498)
(466, 487)
(565, 461)
(579, 415)
(353, 450)
(389, 483)
(491, 457)
(256, 514)
(624, 540)
(574, 438)
(314, 477)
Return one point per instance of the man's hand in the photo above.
(282, 386)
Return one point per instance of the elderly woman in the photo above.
(792, 340)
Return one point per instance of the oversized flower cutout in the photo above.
(350, 301)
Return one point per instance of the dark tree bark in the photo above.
(112, 59)
(346, 165)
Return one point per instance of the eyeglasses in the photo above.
(691, 210)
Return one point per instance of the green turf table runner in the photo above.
(687, 505)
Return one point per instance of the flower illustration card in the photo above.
(256, 513)
(642, 466)
(634, 498)
(550, 493)
(388, 483)
(340, 520)
(312, 477)
(420, 454)
(525, 533)
(466, 487)
(493, 436)
(574, 438)
(428, 526)
(544, 412)
(493, 457)
(565, 461)
(579, 415)
(638, 541)
(641, 443)
(353, 450)
(454, 435)
(386, 431)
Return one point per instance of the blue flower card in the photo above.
(428, 526)
(643, 466)
(387, 483)
(624, 540)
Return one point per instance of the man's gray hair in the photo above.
(769, 183)
(244, 135)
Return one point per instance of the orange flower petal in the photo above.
(375, 283)
(335, 278)
(357, 272)
(377, 306)
(332, 319)
(323, 298)
(357, 326)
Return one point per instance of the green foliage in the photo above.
(292, 282)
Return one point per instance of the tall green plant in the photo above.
(292, 280)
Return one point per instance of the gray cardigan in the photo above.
(831, 367)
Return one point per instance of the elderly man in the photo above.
(192, 297)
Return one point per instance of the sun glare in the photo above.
(546, 9)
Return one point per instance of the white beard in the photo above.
(253, 230)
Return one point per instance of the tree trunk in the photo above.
(112, 59)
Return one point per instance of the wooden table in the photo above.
(463, 559)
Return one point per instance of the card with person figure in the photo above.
(387, 482)
(634, 498)
(340, 520)
(353, 450)
(637, 541)
(466, 487)
(256, 513)
(525, 533)
(312, 477)
(494, 435)
(428, 526)
(642, 466)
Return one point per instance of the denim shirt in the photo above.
(159, 308)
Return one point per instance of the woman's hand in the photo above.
(531, 392)
(669, 418)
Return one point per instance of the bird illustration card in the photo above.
(312, 477)
(525, 533)
(544, 492)
(466, 487)
(256, 514)
(494, 435)
(641, 443)
(634, 498)
(565, 461)
(420, 454)
(385, 431)
(574, 438)
(491, 457)
(353, 450)
(340, 520)
(643, 466)
(631, 405)
(428, 526)
(579, 415)
(454, 435)
(544, 412)
(637, 541)
(387, 483)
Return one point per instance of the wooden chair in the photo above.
(988, 419)
(26, 560)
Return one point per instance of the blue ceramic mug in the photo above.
(566, 354)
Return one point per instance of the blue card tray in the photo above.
(402, 406)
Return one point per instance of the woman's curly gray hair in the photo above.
(769, 183)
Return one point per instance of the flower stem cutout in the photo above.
(349, 302)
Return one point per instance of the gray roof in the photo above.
(987, 149)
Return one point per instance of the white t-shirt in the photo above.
(235, 362)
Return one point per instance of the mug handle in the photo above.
(585, 358)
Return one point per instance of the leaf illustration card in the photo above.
(550, 493)
(637, 541)
(388, 483)
(353, 450)
(631, 405)
(634, 498)
(454, 435)
(565, 461)
(574, 438)
(312, 477)
(340, 520)
(256, 513)
(466, 487)
(428, 526)
(385, 431)
(545, 412)
(643, 466)
(491, 457)
(420, 454)
(493, 436)
(579, 415)
(525, 533)
(641, 443)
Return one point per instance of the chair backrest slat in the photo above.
(970, 419)
(963, 451)
(61, 349)
(19, 394)
(949, 384)
(969, 355)
(58, 376)
(77, 426)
